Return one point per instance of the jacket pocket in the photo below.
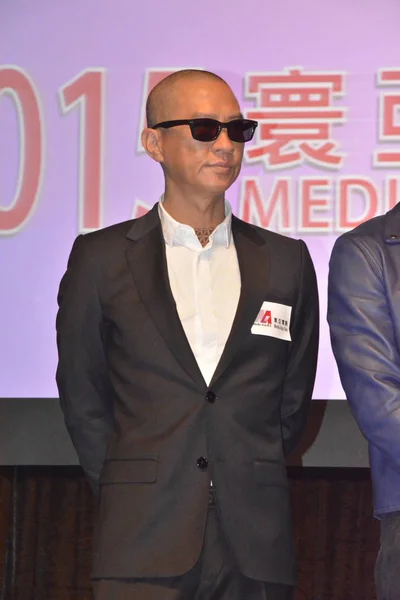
(269, 473)
(136, 470)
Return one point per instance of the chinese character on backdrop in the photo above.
(389, 118)
(296, 113)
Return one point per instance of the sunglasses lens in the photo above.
(205, 130)
(241, 130)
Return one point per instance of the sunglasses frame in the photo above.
(193, 122)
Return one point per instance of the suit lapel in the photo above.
(148, 263)
(254, 269)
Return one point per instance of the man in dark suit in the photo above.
(187, 353)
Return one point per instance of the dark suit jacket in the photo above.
(140, 415)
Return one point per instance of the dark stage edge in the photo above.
(32, 432)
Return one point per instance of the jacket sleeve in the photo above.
(364, 344)
(84, 389)
(302, 361)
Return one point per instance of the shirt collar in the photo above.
(178, 234)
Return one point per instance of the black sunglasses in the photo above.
(207, 130)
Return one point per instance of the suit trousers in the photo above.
(214, 577)
(387, 572)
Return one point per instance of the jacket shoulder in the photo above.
(110, 233)
(375, 229)
(371, 229)
(101, 247)
(280, 241)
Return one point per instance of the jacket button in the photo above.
(211, 397)
(202, 463)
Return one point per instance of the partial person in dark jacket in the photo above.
(364, 319)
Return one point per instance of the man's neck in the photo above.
(199, 213)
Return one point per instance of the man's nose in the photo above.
(223, 142)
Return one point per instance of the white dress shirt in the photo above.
(205, 283)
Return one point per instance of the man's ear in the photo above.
(151, 141)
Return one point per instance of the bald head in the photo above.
(162, 95)
(192, 167)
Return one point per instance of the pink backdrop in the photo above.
(323, 79)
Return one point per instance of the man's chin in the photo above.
(216, 190)
(219, 186)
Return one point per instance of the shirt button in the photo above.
(202, 463)
(211, 397)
